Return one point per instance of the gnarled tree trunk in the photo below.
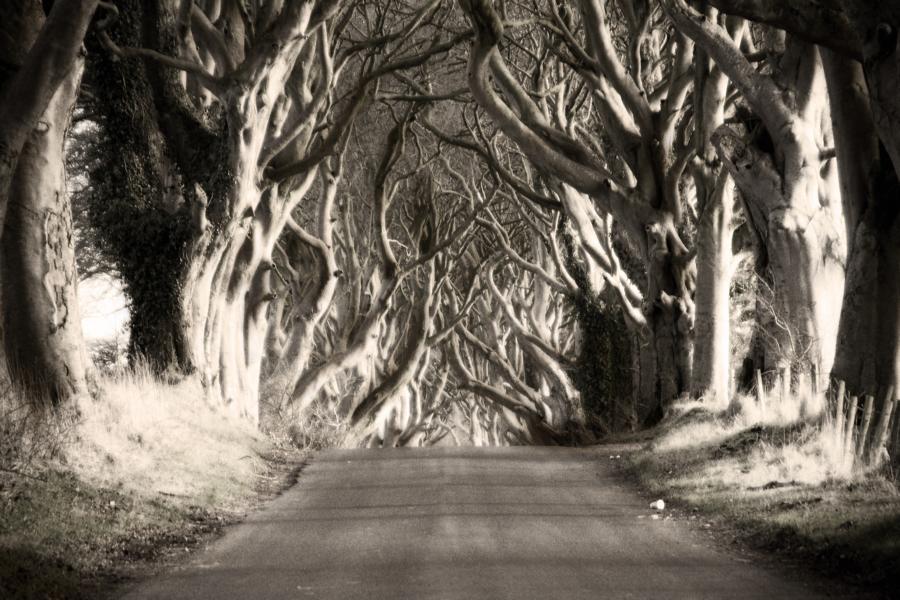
(41, 321)
(787, 186)
(644, 202)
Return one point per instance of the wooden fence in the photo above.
(866, 436)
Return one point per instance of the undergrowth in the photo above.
(788, 440)
(153, 437)
(318, 428)
(777, 477)
(105, 489)
(32, 431)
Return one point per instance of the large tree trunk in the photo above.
(868, 352)
(669, 311)
(712, 330)
(789, 195)
(800, 265)
(41, 319)
(713, 242)
(670, 329)
(226, 290)
(42, 322)
(882, 69)
(140, 200)
(665, 319)
(807, 282)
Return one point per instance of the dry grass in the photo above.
(318, 428)
(31, 431)
(155, 438)
(794, 442)
(145, 472)
(780, 480)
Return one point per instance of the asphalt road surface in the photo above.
(468, 524)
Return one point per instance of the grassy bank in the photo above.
(138, 477)
(770, 482)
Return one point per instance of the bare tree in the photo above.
(255, 99)
(515, 350)
(573, 259)
(786, 180)
(367, 313)
(863, 70)
(630, 172)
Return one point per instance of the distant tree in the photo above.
(369, 303)
(606, 127)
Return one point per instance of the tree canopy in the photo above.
(529, 222)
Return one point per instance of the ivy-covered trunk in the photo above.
(602, 372)
(139, 199)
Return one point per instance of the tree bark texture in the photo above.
(41, 323)
(712, 330)
(141, 196)
(868, 349)
(789, 192)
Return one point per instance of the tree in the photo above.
(863, 69)
(515, 349)
(43, 61)
(249, 102)
(631, 172)
(714, 190)
(867, 357)
(431, 229)
(787, 184)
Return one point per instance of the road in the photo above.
(467, 524)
